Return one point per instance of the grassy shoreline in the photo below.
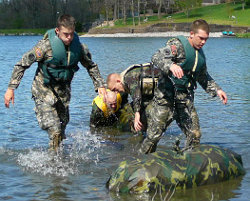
(214, 14)
(22, 32)
(243, 35)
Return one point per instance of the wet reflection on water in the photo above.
(220, 191)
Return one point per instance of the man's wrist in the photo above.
(11, 88)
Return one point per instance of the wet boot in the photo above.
(147, 146)
(176, 146)
(63, 127)
(196, 141)
(55, 142)
(192, 142)
(63, 136)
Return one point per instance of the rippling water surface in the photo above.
(81, 169)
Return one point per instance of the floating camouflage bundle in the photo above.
(205, 164)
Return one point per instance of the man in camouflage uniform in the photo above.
(183, 63)
(115, 112)
(57, 54)
(139, 81)
(105, 113)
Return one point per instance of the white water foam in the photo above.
(67, 161)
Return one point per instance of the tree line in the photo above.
(43, 14)
(17, 14)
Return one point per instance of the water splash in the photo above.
(80, 149)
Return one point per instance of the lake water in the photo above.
(28, 172)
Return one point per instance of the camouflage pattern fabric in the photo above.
(97, 118)
(169, 104)
(137, 81)
(51, 95)
(163, 170)
(126, 118)
(54, 119)
(123, 118)
(132, 85)
(174, 52)
(163, 111)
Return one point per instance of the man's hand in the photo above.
(102, 93)
(177, 71)
(9, 96)
(223, 96)
(137, 122)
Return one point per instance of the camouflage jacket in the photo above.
(174, 52)
(131, 79)
(42, 51)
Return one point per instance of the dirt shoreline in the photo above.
(148, 34)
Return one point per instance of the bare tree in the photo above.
(53, 4)
(118, 9)
(243, 3)
(145, 2)
(64, 5)
(166, 5)
(115, 9)
(124, 11)
(139, 11)
(109, 12)
(133, 12)
(159, 3)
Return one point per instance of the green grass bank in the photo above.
(22, 32)
(214, 14)
(220, 14)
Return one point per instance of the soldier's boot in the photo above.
(63, 128)
(196, 141)
(176, 145)
(196, 138)
(55, 141)
(63, 136)
(147, 146)
(192, 141)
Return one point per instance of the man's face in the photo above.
(112, 105)
(198, 39)
(117, 86)
(112, 102)
(65, 34)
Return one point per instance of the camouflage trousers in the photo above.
(162, 111)
(53, 119)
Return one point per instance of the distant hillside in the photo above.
(229, 14)
(224, 14)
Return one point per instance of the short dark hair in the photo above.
(199, 24)
(67, 21)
